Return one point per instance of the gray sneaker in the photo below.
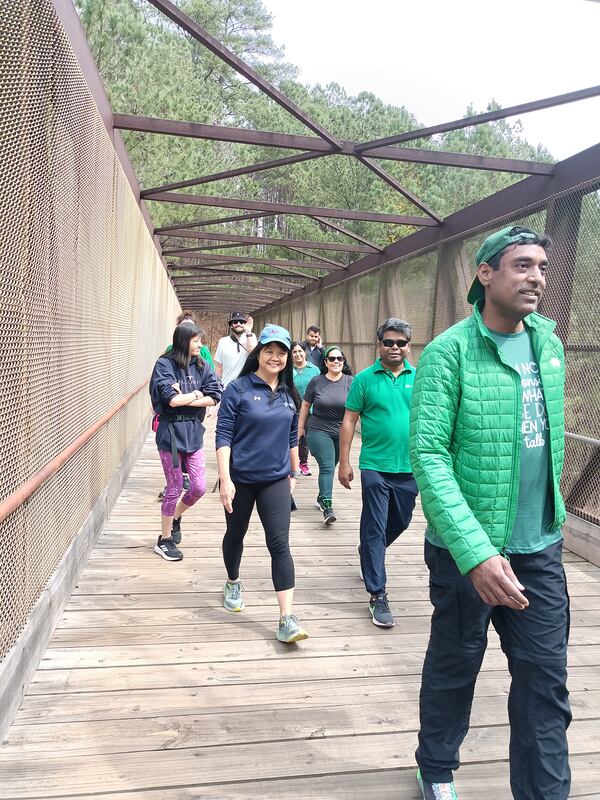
(380, 610)
(436, 791)
(167, 549)
(233, 596)
(329, 516)
(290, 630)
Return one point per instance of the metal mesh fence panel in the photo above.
(86, 304)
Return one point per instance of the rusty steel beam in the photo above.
(479, 119)
(234, 173)
(264, 240)
(228, 277)
(199, 223)
(391, 181)
(574, 173)
(190, 26)
(346, 232)
(284, 208)
(325, 260)
(269, 262)
(293, 280)
(291, 141)
(290, 272)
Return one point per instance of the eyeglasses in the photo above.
(335, 358)
(398, 342)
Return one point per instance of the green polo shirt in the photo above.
(383, 402)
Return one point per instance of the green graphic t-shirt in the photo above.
(535, 510)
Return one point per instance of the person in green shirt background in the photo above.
(304, 372)
(380, 397)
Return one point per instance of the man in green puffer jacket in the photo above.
(487, 426)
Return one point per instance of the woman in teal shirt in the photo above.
(304, 372)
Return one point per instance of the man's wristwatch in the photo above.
(295, 473)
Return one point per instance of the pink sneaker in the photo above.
(305, 470)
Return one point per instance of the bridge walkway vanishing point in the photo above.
(150, 690)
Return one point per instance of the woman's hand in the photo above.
(227, 493)
(292, 485)
(177, 387)
(198, 395)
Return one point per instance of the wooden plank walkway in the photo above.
(150, 690)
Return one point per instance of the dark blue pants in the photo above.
(535, 643)
(388, 500)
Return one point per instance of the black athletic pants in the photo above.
(273, 506)
(535, 643)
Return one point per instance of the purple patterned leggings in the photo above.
(194, 465)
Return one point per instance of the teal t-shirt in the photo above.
(383, 402)
(302, 377)
(535, 509)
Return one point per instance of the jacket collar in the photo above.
(535, 323)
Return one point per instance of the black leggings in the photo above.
(273, 506)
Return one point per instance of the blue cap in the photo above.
(275, 333)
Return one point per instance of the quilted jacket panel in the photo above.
(465, 437)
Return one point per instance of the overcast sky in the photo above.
(436, 57)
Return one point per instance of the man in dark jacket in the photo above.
(487, 427)
(314, 346)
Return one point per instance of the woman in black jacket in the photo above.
(182, 386)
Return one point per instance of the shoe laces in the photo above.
(289, 619)
(235, 590)
(381, 601)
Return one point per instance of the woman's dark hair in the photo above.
(345, 369)
(285, 378)
(186, 314)
(180, 351)
(299, 344)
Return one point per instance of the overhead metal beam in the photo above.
(293, 279)
(197, 130)
(346, 232)
(234, 173)
(189, 280)
(284, 208)
(269, 262)
(578, 171)
(286, 271)
(264, 240)
(391, 181)
(191, 26)
(319, 257)
(199, 223)
(479, 119)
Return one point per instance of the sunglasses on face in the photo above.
(335, 358)
(398, 342)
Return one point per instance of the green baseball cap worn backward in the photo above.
(491, 246)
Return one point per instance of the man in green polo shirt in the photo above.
(381, 396)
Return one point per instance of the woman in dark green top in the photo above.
(327, 395)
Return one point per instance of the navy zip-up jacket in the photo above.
(189, 434)
(260, 426)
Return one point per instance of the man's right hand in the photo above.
(497, 584)
(345, 475)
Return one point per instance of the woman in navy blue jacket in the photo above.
(257, 457)
(181, 387)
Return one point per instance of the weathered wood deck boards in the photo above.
(150, 690)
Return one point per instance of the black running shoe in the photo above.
(176, 530)
(167, 549)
